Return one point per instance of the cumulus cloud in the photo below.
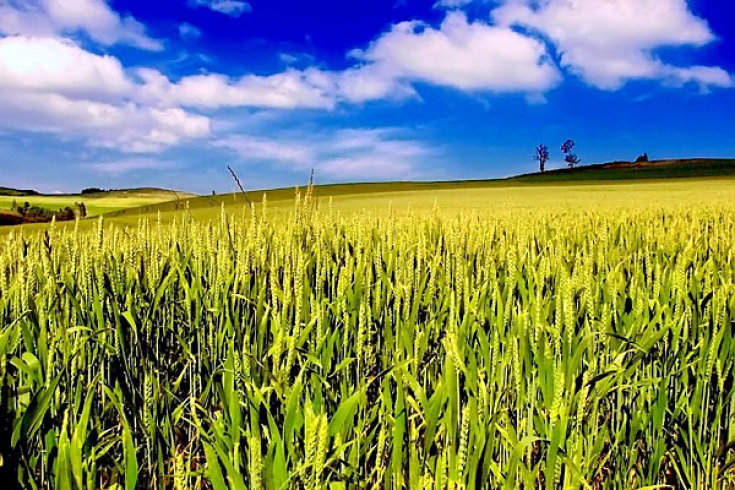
(53, 85)
(470, 56)
(233, 8)
(60, 66)
(344, 154)
(609, 42)
(60, 17)
(65, 86)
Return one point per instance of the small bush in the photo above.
(8, 218)
(81, 209)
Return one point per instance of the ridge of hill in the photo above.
(655, 169)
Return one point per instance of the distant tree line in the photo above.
(98, 190)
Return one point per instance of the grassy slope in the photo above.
(460, 198)
(97, 203)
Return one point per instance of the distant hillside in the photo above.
(9, 191)
(95, 203)
(657, 169)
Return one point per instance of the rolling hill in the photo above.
(96, 202)
(617, 185)
(609, 184)
(657, 169)
(607, 173)
(9, 191)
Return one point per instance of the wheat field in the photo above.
(430, 349)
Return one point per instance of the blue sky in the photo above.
(167, 93)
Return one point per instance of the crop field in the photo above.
(490, 196)
(491, 338)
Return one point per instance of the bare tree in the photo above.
(569, 157)
(541, 156)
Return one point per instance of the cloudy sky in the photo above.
(129, 93)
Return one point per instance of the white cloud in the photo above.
(127, 127)
(346, 154)
(705, 76)
(608, 42)
(189, 31)
(55, 65)
(371, 82)
(116, 168)
(370, 166)
(59, 17)
(233, 8)
(469, 56)
(255, 148)
(286, 90)
(54, 86)
(375, 154)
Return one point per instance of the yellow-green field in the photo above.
(98, 203)
(492, 196)
(475, 336)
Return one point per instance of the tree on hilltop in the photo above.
(572, 159)
(541, 156)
